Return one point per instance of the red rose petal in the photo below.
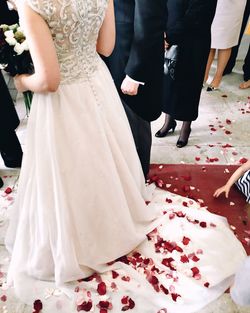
(184, 259)
(85, 306)
(4, 298)
(185, 240)
(114, 274)
(203, 224)
(38, 306)
(195, 271)
(197, 159)
(206, 284)
(8, 190)
(164, 289)
(101, 289)
(228, 121)
(174, 296)
(243, 160)
(227, 132)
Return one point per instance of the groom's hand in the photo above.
(129, 87)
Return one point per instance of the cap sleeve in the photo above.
(43, 7)
(37, 6)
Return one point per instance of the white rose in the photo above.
(19, 29)
(11, 41)
(9, 34)
(18, 48)
(25, 46)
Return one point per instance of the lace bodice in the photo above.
(74, 26)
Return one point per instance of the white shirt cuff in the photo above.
(134, 81)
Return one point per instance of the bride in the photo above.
(81, 235)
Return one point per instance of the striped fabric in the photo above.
(243, 184)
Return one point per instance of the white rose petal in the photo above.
(25, 46)
(18, 48)
(11, 41)
(9, 33)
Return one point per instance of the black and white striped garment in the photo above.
(243, 183)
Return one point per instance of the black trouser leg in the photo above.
(246, 66)
(10, 148)
(141, 131)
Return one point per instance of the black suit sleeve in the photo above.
(197, 19)
(149, 25)
(7, 16)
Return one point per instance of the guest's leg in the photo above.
(246, 66)
(141, 131)
(223, 57)
(1, 182)
(168, 125)
(184, 135)
(209, 63)
(231, 62)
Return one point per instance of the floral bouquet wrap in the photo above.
(15, 56)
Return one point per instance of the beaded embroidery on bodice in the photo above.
(74, 26)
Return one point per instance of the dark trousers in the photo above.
(141, 131)
(10, 147)
(234, 53)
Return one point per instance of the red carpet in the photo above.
(199, 182)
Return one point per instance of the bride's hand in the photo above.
(18, 82)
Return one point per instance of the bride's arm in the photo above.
(106, 38)
(47, 72)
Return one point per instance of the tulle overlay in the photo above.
(79, 212)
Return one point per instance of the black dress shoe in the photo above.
(211, 88)
(171, 126)
(1, 182)
(182, 142)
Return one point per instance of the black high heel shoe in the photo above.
(171, 126)
(183, 142)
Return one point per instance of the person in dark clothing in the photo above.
(136, 66)
(188, 27)
(232, 60)
(10, 147)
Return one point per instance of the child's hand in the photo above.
(222, 189)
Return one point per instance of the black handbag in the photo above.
(171, 55)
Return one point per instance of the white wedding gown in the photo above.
(81, 199)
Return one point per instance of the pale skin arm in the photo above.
(47, 71)
(236, 175)
(106, 38)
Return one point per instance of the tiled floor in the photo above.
(224, 120)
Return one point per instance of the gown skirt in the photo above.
(86, 234)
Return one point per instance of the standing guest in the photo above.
(189, 24)
(10, 148)
(136, 66)
(232, 60)
(225, 35)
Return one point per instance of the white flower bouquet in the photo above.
(15, 56)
